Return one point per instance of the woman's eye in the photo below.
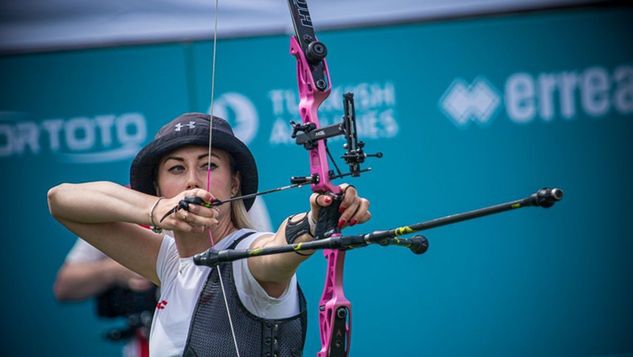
(209, 166)
(176, 169)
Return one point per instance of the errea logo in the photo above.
(470, 102)
(161, 305)
(546, 96)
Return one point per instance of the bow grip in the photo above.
(327, 222)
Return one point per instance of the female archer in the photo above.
(250, 307)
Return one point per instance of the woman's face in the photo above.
(186, 168)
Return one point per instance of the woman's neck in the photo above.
(190, 244)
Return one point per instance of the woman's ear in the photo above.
(235, 184)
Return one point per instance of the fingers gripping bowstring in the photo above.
(211, 110)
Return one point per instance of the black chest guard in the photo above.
(210, 332)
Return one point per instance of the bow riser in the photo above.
(310, 98)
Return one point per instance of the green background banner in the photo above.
(468, 113)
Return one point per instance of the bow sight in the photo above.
(307, 135)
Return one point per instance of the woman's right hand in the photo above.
(197, 218)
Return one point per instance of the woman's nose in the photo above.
(194, 179)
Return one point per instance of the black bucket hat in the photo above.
(193, 129)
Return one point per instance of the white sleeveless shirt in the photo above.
(182, 281)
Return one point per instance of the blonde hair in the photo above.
(239, 215)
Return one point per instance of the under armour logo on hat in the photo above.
(191, 125)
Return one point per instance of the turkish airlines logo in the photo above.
(240, 112)
(161, 305)
(374, 102)
(475, 102)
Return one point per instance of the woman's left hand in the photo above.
(274, 272)
(353, 209)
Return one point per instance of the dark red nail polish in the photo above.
(352, 222)
(341, 223)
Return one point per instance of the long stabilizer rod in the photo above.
(545, 197)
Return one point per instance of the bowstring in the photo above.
(215, 36)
